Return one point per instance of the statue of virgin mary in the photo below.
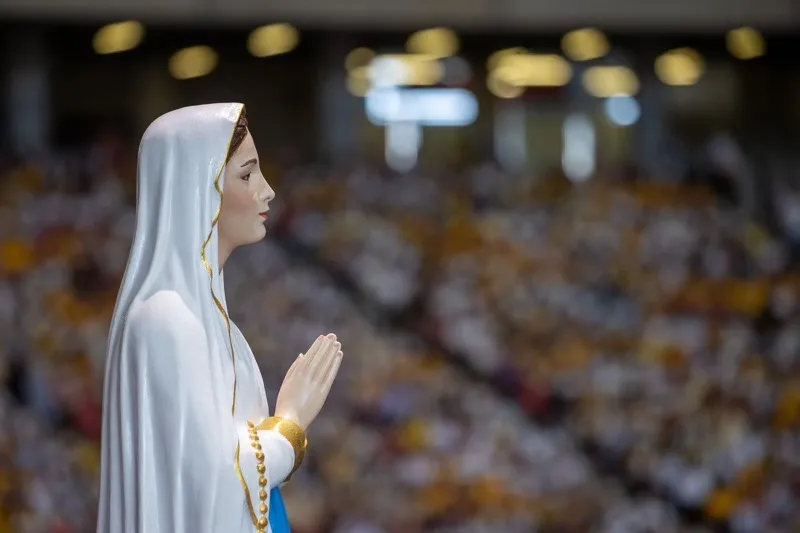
(188, 444)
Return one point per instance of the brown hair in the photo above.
(239, 133)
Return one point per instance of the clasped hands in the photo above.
(308, 381)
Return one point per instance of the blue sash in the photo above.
(278, 519)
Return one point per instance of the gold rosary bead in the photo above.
(262, 522)
(263, 508)
(261, 468)
(262, 481)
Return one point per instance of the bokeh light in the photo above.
(273, 40)
(193, 62)
(585, 44)
(607, 81)
(434, 42)
(745, 43)
(680, 67)
(118, 37)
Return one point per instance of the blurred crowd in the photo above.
(662, 314)
(663, 320)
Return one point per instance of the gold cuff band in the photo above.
(291, 432)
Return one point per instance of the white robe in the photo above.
(181, 382)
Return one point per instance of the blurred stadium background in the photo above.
(558, 240)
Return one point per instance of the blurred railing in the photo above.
(694, 15)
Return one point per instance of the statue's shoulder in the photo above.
(163, 340)
(164, 314)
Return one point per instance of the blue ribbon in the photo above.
(278, 519)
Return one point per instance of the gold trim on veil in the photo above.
(227, 319)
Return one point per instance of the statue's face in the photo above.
(246, 198)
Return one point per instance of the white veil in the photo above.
(169, 439)
(179, 192)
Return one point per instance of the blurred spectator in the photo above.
(664, 321)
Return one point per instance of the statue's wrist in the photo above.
(289, 414)
(292, 432)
